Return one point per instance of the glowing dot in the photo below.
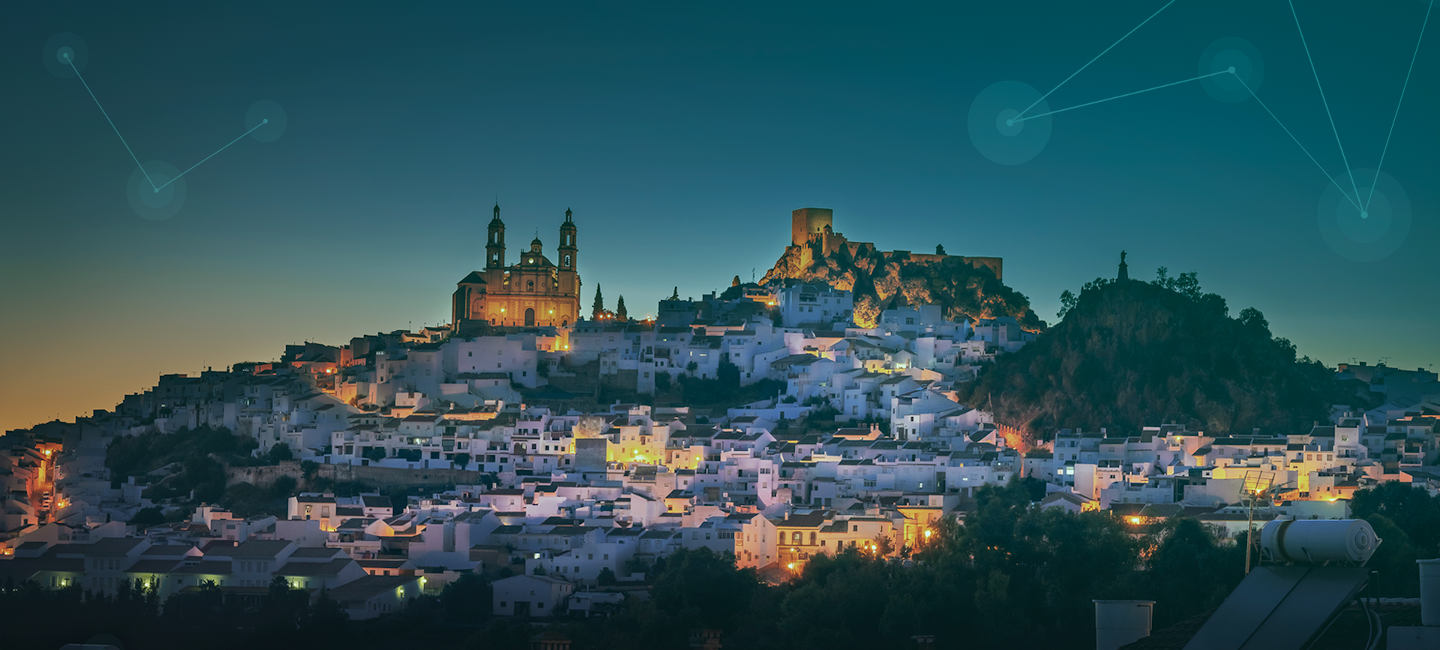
(1230, 69)
(65, 53)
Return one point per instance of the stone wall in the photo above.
(380, 477)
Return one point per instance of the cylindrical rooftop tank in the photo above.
(1315, 541)
(1121, 622)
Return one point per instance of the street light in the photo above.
(1256, 484)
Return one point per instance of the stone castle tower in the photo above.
(809, 221)
(534, 292)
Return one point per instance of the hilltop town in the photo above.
(564, 452)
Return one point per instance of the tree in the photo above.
(621, 313)
(1067, 303)
(467, 598)
(1409, 507)
(326, 617)
(283, 486)
(147, 517)
(462, 460)
(703, 586)
(939, 249)
(735, 281)
(283, 609)
(1189, 571)
(598, 306)
(884, 546)
(308, 469)
(606, 577)
(728, 375)
(1252, 317)
(280, 452)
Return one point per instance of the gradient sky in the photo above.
(682, 134)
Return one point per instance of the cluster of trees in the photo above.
(1407, 520)
(281, 617)
(197, 460)
(1133, 353)
(192, 464)
(723, 389)
(598, 310)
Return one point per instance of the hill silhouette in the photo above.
(1129, 354)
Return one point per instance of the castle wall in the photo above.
(995, 264)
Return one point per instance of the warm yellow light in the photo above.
(47, 452)
(790, 566)
(927, 533)
(1134, 520)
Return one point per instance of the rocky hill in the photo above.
(1130, 354)
(879, 278)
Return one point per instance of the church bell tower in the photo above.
(567, 281)
(495, 244)
(568, 252)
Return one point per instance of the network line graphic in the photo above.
(1364, 214)
(156, 189)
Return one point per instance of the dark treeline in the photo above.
(1014, 575)
(1129, 354)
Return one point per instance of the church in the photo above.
(534, 292)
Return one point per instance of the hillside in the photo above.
(1130, 354)
(877, 278)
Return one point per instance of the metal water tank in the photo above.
(1316, 541)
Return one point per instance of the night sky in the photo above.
(682, 134)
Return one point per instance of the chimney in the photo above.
(1121, 622)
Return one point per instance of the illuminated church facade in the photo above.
(535, 292)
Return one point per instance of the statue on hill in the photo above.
(1124, 274)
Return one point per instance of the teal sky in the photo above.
(682, 134)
